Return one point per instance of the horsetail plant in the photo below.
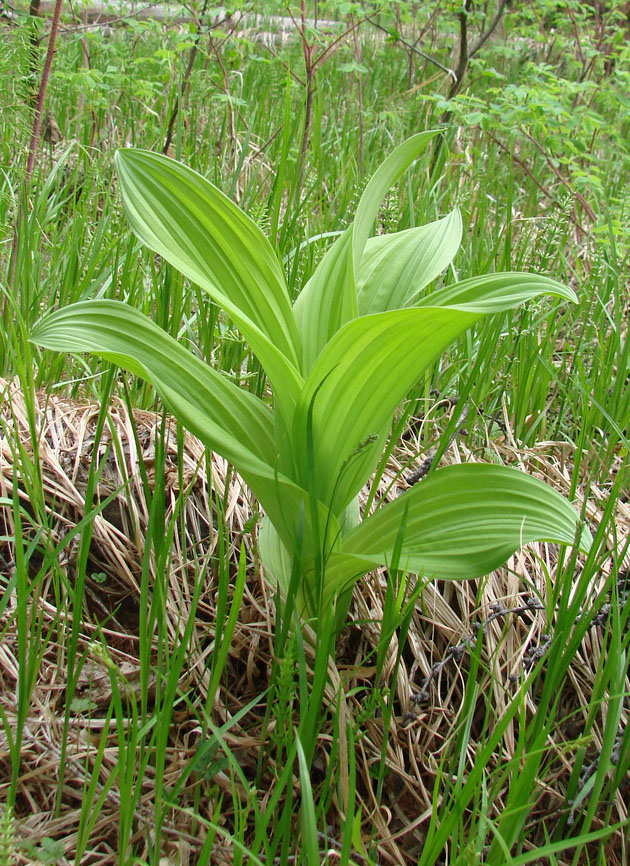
(339, 362)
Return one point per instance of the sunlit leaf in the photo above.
(461, 522)
(372, 363)
(396, 267)
(122, 334)
(339, 364)
(201, 232)
(495, 293)
(329, 299)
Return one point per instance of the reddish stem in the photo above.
(32, 150)
(41, 96)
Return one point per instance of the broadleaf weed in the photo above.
(339, 362)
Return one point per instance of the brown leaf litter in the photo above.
(430, 680)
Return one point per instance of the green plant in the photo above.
(7, 836)
(339, 363)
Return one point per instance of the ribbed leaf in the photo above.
(461, 522)
(396, 267)
(226, 418)
(385, 175)
(370, 365)
(356, 385)
(196, 228)
(122, 334)
(495, 293)
(329, 298)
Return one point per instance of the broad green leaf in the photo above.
(396, 267)
(385, 175)
(124, 335)
(495, 293)
(372, 363)
(329, 298)
(197, 229)
(356, 385)
(227, 419)
(204, 234)
(461, 522)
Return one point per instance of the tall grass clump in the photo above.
(348, 343)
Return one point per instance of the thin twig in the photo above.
(585, 205)
(32, 150)
(413, 48)
(185, 80)
(488, 33)
(41, 96)
(531, 656)
(530, 174)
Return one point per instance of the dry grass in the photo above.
(431, 676)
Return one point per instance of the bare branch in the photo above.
(414, 49)
(493, 25)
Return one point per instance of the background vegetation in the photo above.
(149, 690)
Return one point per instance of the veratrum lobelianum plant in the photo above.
(339, 362)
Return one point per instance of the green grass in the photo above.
(149, 675)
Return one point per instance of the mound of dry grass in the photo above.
(508, 607)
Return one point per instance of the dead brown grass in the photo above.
(431, 677)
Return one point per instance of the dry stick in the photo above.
(226, 88)
(421, 34)
(39, 107)
(185, 80)
(336, 43)
(41, 96)
(585, 205)
(410, 55)
(466, 52)
(359, 83)
(309, 66)
(412, 47)
(458, 78)
(287, 68)
(312, 64)
(533, 177)
(488, 33)
(427, 464)
(532, 654)
(33, 59)
(85, 60)
(455, 653)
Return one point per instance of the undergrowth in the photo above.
(151, 679)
